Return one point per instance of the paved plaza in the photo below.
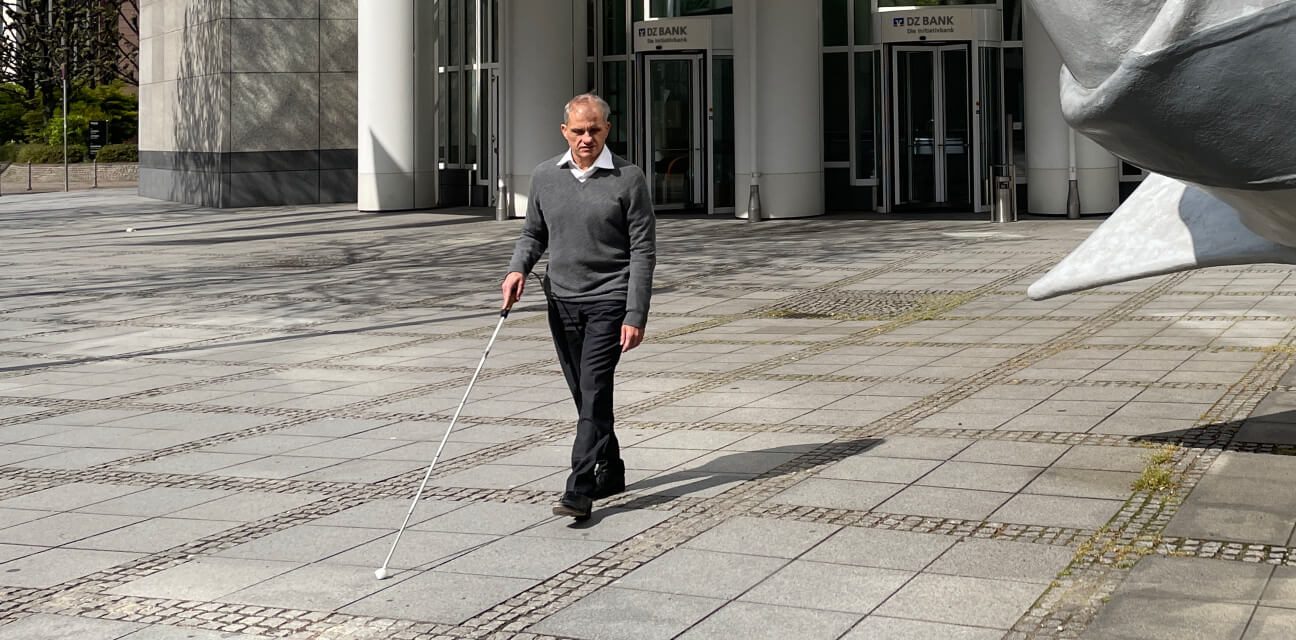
(212, 422)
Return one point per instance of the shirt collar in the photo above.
(603, 161)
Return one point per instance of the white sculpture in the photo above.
(1202, 93)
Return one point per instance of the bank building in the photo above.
(806, 107)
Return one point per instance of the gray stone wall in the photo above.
(248, 102)
(15, 178)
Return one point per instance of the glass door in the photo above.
(674, 132)
(932, 127)
(723, 182)
(992, 146)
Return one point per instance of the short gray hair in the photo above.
(587, 98)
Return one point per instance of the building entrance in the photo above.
(674, 131)
(931, 109)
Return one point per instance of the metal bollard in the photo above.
(1005, 194)
(501, 201)
(1073, 199)
(29, 177)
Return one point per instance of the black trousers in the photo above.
(587, 336)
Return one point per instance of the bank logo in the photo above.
(897, 22)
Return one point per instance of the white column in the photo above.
(1047, 136)
(391, 119)
(788, 125)
(539, 78)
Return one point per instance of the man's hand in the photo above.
(630, 337)
(514, 284)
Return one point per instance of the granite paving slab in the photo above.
(273, 383)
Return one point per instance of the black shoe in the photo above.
(574, 506)
(609, 479)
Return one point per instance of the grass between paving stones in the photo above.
(1158, 476)
(1156, 486)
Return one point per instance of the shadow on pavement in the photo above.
(724, 470)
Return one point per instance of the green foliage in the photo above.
(13, 108)
(9, 152)
(78, 129)
(50, 154)
(110, 104)
(118, 153)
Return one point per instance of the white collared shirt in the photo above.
(604, 161)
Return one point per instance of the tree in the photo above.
(43, 39)
(127, 66)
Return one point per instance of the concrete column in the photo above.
(781, 120)
(393, 39)
(248, 103)
(1048, 134)
(539, 77)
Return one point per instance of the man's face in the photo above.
(586, 131)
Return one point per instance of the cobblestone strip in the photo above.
(13, 600)
(88, 600)
(704, 518)
(554, 594)
(1045, 437)
(1060, 536)
(37, 479)
(1004, 371)
(1102, 563)
(1134, 318)
(541, 601)
(87, 405)
(23, 487)
(1227, 550)
(480, 457)
(1133, 384)
(706, 384)
(74, 359)
(64, 598)
(270, 622)
(797, 294)
(248, 333)
(49, 412)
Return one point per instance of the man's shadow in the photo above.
(735, 468)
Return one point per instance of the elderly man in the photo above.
(592, 210)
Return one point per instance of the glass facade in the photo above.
(852, 97)
(610, 63)
(469, 51)
(855, 100)
(978, 92)
(676, 8)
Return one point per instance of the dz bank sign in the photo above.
(672, 34)
(924, 25)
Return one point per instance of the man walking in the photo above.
(592, 210)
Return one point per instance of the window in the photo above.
(705, 7)
(1015, 105)
(676, 8)
(469, 59)
(866, 114)
(614, 28)
(611, 62)
(836, 108)
(1012, 16)
(836, 23)
(850, 93)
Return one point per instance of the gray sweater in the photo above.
(601, 235)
